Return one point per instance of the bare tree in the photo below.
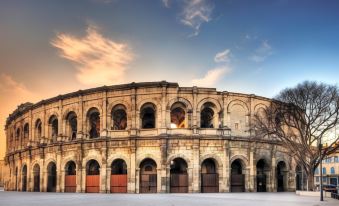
(300, 118)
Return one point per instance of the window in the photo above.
(147, 116)
(72, 125)
(324, 179)
(316, 171)
(119, 118)
(178, 115)
(93, 116)
(18, 132)
(336, 159)
(332, 170)
(324, 170)
(26, 130)
(38, 129)
(317, 179)
(236, 126)
(54, 127)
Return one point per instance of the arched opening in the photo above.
(237, 177)
(24, 179)
(93, 116)
(53, 127)
(148, 176)
(72, 125)
(38, 130)
(92, 177)
(281, 176)
(206, 118)
(261, 176)
(70, 177)
(36, 178)
(119, 117)
(298, 178)
(178, 115)
(179, 176)
(147, 116)
(51, 177)
(16, 178)
(118, 176)
(18, 134)
(209, 176)
(26, 131)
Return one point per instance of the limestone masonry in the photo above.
(144, 138)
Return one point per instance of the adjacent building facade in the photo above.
(330, 169)
(153, 137)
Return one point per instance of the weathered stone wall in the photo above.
(231, 138)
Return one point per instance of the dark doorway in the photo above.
(36, 178)
(24, 179)
(237, 178)
(92, 177)
(209, 177)
(70, 177)
(179, 176)
(281, 168)
(148, 176)
(51, 177)
(261, 176)
(119, 176)
(298, 177)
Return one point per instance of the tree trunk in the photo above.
(310, 182)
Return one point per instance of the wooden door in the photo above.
(93, 183)
(209, 183)
(119, 183)
(148, 183)
(237, 183)
(179, 183)
(70, 183)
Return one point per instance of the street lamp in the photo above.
(321, 170)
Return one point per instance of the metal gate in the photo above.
(70, 183)
(280, 183)
(24, 183)
(179, 183)
(92, 183)
(148, 183)
(119, 183)
(261, 183)
(36, 183)
(210, 183)
(237, 183)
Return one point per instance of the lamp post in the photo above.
(321, 172)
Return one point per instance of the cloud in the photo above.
(212, 76)
(194, 13)
(166, 3)
(262, 52)
(99, 60)
(223, 56)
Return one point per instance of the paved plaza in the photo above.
(233, 199)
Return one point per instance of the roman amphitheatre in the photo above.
(150, 137)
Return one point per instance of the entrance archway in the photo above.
(36, 178)
(24, 179)
(92, 177)
(51, 177)
(118, 176)
(237, 177)
(261, 176)
(281, 176)
(148, 176)
(178, 176)
(209, 176)
(70, 177)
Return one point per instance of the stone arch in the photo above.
(148, 156)
(112, 104)
(86, 159)
(212, 100)
(182, 100)
(122, 120)
(152, 118)
(148, 100)
(49, 160)
(260, 106)
(237, 102)
(112, 158)
(186, 106)
(68, 110)
(244, 160)
(68, 159)
(216, 159)
(184, 157)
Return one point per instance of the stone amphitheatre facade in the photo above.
(153, 137)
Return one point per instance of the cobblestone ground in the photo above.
(232, 199)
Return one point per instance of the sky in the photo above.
(258, 47)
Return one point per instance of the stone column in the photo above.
(163, 171)
(104, 114)
(133, 183)
(252, 166)
(196, 165)
(80, 118)
(58, 169)
(227, 166)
